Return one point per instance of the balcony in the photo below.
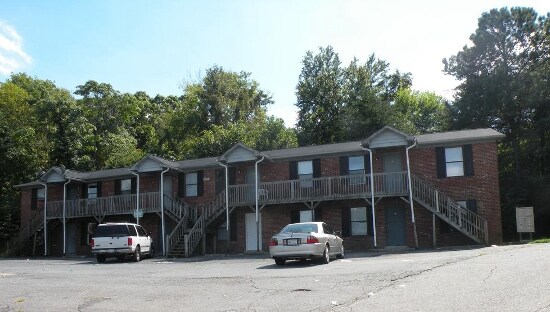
(279, 192)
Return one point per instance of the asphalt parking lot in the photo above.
(510, 278)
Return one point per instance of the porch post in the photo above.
(45, 219)
(410, 192)
(137, 195)
(162, 208)
(372, 197)
(64, 213)
(226, 205)
(258, 243)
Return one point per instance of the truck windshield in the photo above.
(111, 230)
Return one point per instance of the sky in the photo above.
(158, 46)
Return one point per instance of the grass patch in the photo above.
(540, 241)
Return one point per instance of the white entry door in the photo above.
(251, 233)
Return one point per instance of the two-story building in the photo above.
(391, 189)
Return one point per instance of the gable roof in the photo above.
(387, 137)
(238, 153)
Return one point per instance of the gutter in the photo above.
(372, 195)
(410, 192)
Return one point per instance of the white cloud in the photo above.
(12, 56)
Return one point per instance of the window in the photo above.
(358, 221)
(125, 186)
(37, 198)
(306, 215)
(305, 173)
(454, 162)
(356, 165)
(92, 190)
(141, 231)
(191, 184)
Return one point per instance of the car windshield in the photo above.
(111, 231)
(300, 228)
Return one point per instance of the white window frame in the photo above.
(359, 223)
(191, 187)
(454, 166)
(356, 166)
(40, 194)
(305, 173)
(125, 186)
(92, 186)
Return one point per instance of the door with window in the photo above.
(393, 177)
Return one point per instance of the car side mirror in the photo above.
(338, 232)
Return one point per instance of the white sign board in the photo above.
(525, 219)
(138, 214)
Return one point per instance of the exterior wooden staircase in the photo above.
(448, 210)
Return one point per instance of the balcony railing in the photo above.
(325, 188)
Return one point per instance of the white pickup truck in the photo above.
(120, 240)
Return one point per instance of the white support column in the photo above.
(45, 218)
(64, 214)
(258, 243)
(137, 195)
(227, 238)
(162, 209)
(372, 196)
(410, 192)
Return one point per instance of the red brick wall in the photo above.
(483, 186)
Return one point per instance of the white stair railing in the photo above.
(464, 220)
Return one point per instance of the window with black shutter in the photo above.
(346, 222)
(454, 161)
(181, 185)
(233, 227)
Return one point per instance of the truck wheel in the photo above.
(100, 259)
(137, 255)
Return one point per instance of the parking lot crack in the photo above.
(490, 274)
(91, 301)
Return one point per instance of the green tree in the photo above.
(422, 112)
(320, 98)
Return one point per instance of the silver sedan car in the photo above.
(308, 240)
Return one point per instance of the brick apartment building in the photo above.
(391, 189)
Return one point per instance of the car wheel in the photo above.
(341, 254)
(152, 252)
(137, 255)
(326, 256)
(100, 259)
(280, 261)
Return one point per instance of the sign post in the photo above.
(525, 221)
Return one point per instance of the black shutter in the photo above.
(440, 162)
(370, 230)
(294, 216)
(134, 186)
(233, 227)
(34, 198)
(344, 165)
(346, 222)
(316, 168)
(181, 185)
(293, 167)
(200, 183)
(367, 163)
(117, 187)
(467, 157)
(99, 192)
(471, 204)
(318, 214)
(232, 175)
(84, 191)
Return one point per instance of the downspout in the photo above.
(372, 195)
(410, 192)
(45, 218)
(137, 195)
(162, 208)
(64, 213)
(258, 243)
(226, 204)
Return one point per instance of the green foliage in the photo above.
(421, 112)
(505, 74)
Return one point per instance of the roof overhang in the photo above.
(239, 153)
(151, 163)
